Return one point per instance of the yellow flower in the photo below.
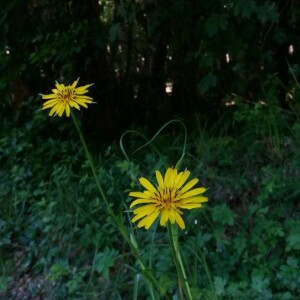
(167, 199)
(65, 97)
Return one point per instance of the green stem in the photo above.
(173, 237)
(91, 163)
(120, 226)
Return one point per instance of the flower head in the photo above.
(167, 199)
(65, 97)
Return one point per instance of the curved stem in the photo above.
(91, 163)
(116, 220)
(173, 237)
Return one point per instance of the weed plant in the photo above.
(56, 242)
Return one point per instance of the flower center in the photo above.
(67, 94)
(166, 197)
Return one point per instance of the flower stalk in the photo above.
(173, 238)
(134, 246)
(91, 163)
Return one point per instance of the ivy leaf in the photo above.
(216, 22)
(219, 284)
(114, 32)
(293, 241)
(58, 270)
(212, 25)
(245, 8)
(292, 262)
(223, 22)
(75, 281)
(4, 283)
(259, 282)
(223, 214)
(105, 260)
(208, 82)
(206, 60)
(267, 12)
(240, 244)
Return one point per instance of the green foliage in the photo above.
(244, 243)
(141, 46)
(209, 81)
(245, 8)
(57, 241)
(105, 260)
(223, 215)
(215, 23)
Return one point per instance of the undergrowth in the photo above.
(57, 242)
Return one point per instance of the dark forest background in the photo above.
(226, 72)
(149, 60)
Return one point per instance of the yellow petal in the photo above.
(49, 96)
(164, 217)
(167, 176)
(81, 103)
(81, 92)
(59, 86)
(172, 177)
(49, 105)
(50, 101)
(193, 192)
(189, 185)
(85, 98)
(140, 201)
(147, 184)
(83, 89)
(145, 209)
(141, 213)
(137, 217)
(179, 220)
(182, 179)
(173, 193)
(61, 109)
(74, 83)
(68, 110)
(53, 109)
(190, 205)
(74, 104)
(139, 195)
(159, 179)
(178, 177)
(172, 216)
(148, 221)
(198, 199)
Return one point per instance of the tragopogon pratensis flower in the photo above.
(167, 199)
(65, 97)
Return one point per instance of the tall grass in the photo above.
(56, 241)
